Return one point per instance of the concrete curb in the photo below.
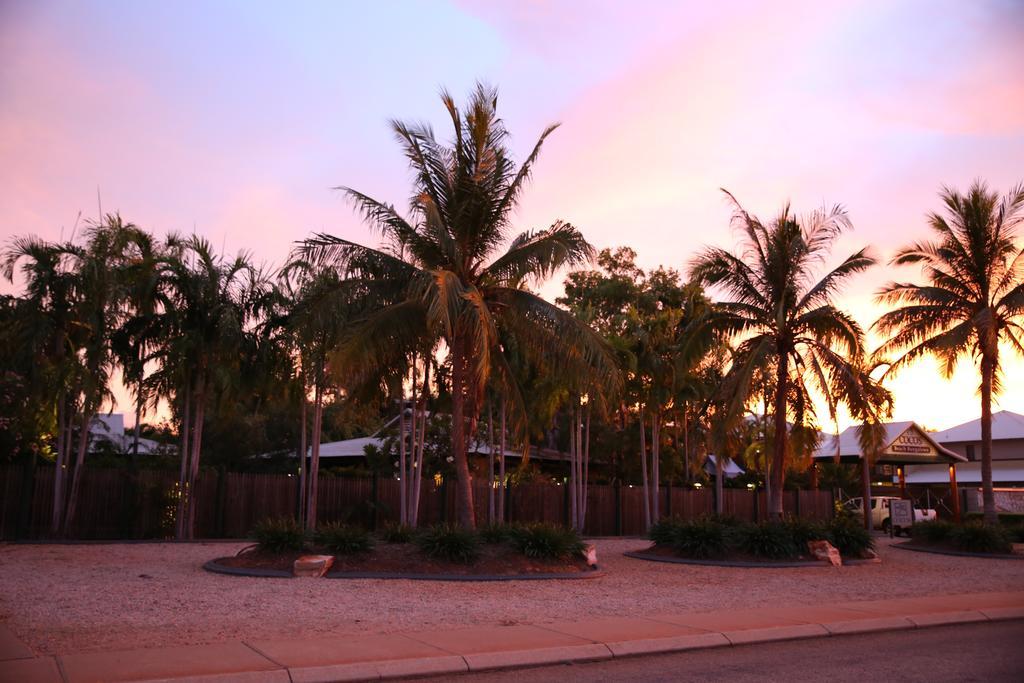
(216, 567)
(257, 666)
(907, 545)
(729, 563)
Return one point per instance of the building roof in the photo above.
(924, 448)
(730, 467)
(1005, 425)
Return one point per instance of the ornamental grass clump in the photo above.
(981, 538)
(279, 535)
(398, 533)
(938, 531)
(450, 543)
(663, 532)
(544, 541)
(496, 533)
(700, 539)
(344, 539)
(849, 536)
(769, 540)
(804, 531)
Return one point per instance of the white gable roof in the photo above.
(1005, 425)
(847, 443)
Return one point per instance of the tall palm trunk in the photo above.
(197, 449)
(574, 481)
(778, 467)
(988, 365)
(303, 455)
(865, 485)
(138, 424)
(460, 390)
(643, 469)
(403, 480)
(501, 466)
(491, 508)
(76, 474)
(586, 472)
(60, 464)
(418, 446)
(656, 466)
(183, 491)
(314, 462)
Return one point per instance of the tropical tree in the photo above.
(210, 307)
(971, 303)
(784, 318)
(457, 285)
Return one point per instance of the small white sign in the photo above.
(901, 513)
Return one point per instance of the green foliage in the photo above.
(849, 536)
(279, 535)
(496, 533)
(1009, 518)
(547, 541)
(770, 540)
(450, 542)
(398, 533)
(344, 539)
(700, 538)
(663, 532)
(981, 538)
(932, 532)
(803, 531)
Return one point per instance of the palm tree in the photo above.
(973, 300)
(210, 306)
(453, 286)
(784, 317)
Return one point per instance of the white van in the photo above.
(880, 512)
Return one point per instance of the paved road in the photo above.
(972, 652)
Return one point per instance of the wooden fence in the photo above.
(121, 504)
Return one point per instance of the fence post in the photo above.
(757, 507)
(25, 499)
(668, 499)
(374, 500)
(796, 505)
(507, 507)
(222, 495)
(618, 507)
(565, 505)
(444, 500)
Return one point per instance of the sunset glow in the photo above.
(236, 119)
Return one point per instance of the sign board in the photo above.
(911, 443)
(901, 513)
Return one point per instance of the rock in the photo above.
(823, 550)
(590, 553)
(871, 556)
(313, 566)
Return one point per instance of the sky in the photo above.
(235, 120)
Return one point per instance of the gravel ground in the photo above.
(77, 598)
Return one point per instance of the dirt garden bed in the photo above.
(658, 553)
(949, 548)
(404, 561)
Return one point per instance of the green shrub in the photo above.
(496, 533)
(700, 538)
(279, 535)
(450, 542)
(344, 539)
(979, 538)
(803, 531)
(1016, 533)
(1008, 518)
(848, 535)
(547, 541)
(932, 532)
(772, 540)
(663, 532)
(398, 533)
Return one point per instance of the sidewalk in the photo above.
(458, 650)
